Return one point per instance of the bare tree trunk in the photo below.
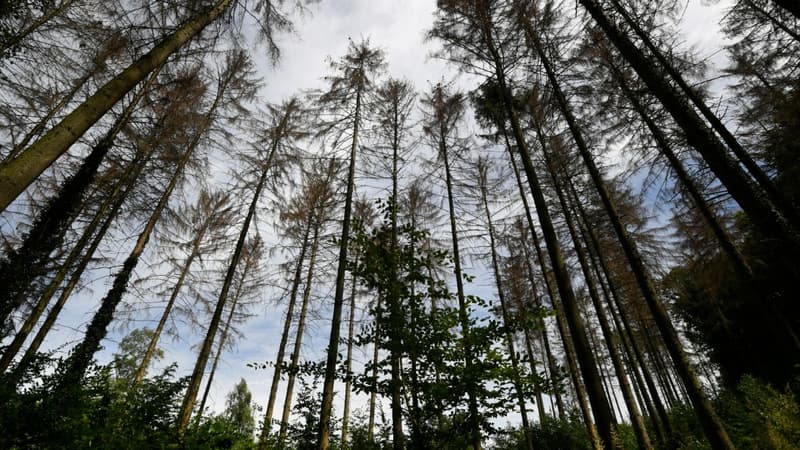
(374, 389)
(81, 357)
(151, 347)
(474, 419)
(42, 123)
(507, 322)
(19, 173)
(610, 338)
(222, 339)
(683, 176)
(197, 374)
(349, 361)
(338, 299)
(569, 348)
(661, 415)
(298, 340)
(287, 324)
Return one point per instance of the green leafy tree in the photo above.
(238, 408)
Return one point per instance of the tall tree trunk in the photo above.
(712, 425)
(326, 409)
(532, 362)
(374, 388)
(764, 215)
(287, 324)
(507, 322)
(116, 199)
(569, 345)
(19, 173)
(222, 339)
(205, 351)
(610, 338)
(21, 266)
(396, 314)
(349, 361)
(600, 407)
(463, 313)
(81, 357)
(634, 344)
(298, 340)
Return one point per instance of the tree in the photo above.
(238, 408)
(19, 173)
(444, 110)
(131, 350)
(208, 221)
(343, 100)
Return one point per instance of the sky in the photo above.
(398, 27)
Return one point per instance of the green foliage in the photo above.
(130, 353)
(238, 410)
(100, 412)
(756, 415)
(105, 411)
(217, 432)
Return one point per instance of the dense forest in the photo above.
(582, 235)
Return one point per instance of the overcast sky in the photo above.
(398, 28)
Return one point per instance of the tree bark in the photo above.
(569, 345)
(600, 407)
(151, 347)
(349, 361)
(463, 314)
(222, 339)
